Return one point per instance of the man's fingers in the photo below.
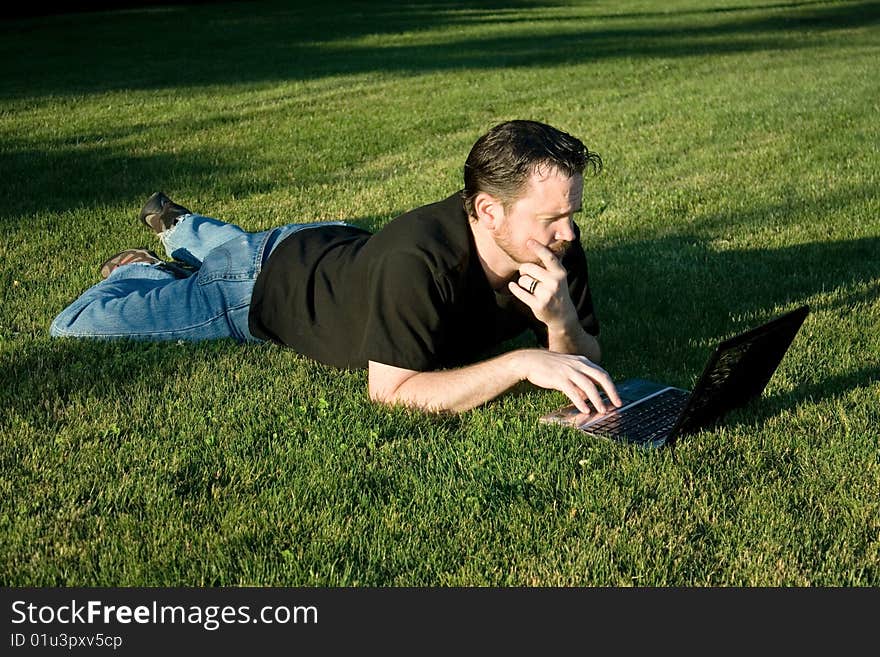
(602, 377)
(537, 272)
(573, 393)
(611, 391)
(521, 294)
(607, 384)
(545, 267)
(528, 283)
(545, 254)
(575, 376)
(584, 382)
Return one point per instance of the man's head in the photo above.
(524, 181)
(502, 161)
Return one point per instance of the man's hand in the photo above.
(574, 376)
(544, 289)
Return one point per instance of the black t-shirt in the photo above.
(413, 295)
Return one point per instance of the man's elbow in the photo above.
(390, 396)
(383, 397)
(396, 399)
(384, 382)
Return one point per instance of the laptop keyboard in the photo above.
(645, 421)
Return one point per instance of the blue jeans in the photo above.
(146, 302)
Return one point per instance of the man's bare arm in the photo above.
(573, 339)
(467, 387)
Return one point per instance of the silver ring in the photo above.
(533, 285)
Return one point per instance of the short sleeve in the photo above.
(405, 312)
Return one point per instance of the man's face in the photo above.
(544, 212)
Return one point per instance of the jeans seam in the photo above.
(147, 334)
(233, 278)
(73, 334)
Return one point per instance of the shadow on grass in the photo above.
(44, 377)
(686, 296)
(241, 43)
(686, 282)
(271, 42)
(45, 380)
(59, 180)
(682, 272)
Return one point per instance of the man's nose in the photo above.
(565, 232)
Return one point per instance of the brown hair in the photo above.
(502, 160)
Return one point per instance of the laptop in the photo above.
(654, 415)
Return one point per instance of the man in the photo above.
(419, 303)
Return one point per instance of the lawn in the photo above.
(741, 142)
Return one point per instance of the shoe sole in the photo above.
(152, 208)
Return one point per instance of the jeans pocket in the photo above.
(232, 261)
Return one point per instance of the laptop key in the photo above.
(643, 422)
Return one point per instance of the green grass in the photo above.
(742, 148)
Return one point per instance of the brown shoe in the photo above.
(127, 257)
(160, 213)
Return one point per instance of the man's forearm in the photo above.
(574, 340)
(467, 387)
(459, 389)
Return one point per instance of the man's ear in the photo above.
(488, 209)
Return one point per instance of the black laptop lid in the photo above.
(738, 371)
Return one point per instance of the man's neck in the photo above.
(497, 265)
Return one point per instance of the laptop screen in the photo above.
(738, 371)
